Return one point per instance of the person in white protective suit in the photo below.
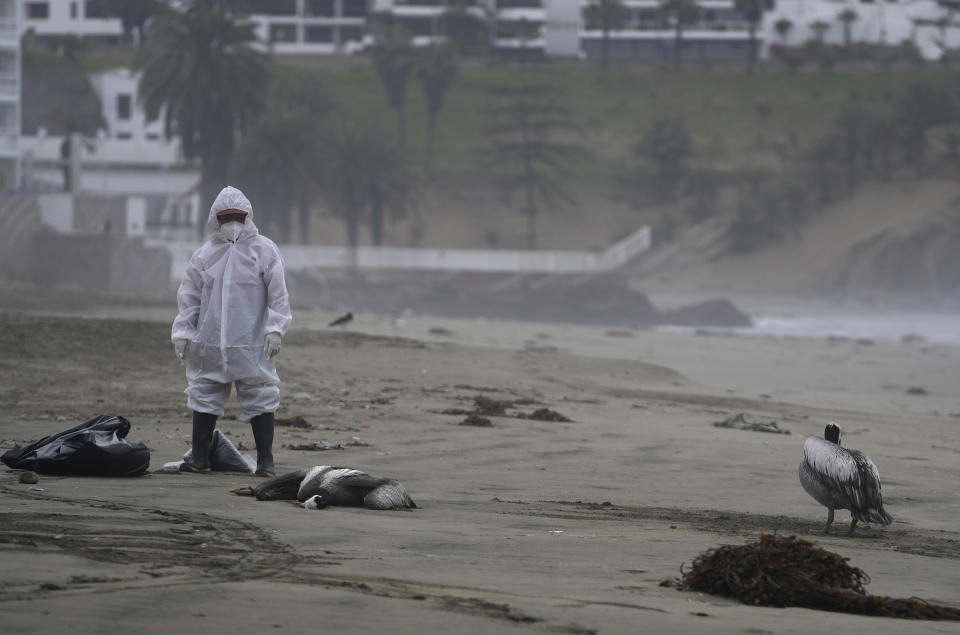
(234, 310)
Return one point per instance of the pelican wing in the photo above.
(390, 494)
(850, 474)
(283, 487)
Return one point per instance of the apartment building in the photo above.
(83, 18)
(719, 34)
(9, 95)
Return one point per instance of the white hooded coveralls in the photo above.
(234, 294)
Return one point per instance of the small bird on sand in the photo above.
(321, 486)
(343, 319)
(839, 478)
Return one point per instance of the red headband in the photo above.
(231, 211)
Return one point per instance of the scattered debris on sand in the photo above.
(295, 421)
(739, 422)
(29, 478)
(545, 414)
(441, 331)
(476, 421)
(917, 390)
(487, 407)
(784, 571)
(319, 446)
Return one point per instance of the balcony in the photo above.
(8, 85)
(9, 34)
(8, 142)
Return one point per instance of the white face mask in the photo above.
(231, 230)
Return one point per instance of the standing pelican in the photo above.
(322, 485)
(839, 478)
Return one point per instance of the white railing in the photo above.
(424, 259)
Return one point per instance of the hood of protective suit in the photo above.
(231, 198)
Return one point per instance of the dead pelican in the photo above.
(839, 478)
(321, 486)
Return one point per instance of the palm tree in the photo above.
(607, 16)
(394, 58)
(437, 70)
(680, 13)
(783, 27)
(847, 17)
(133, 15)
(367, 171)
(201, 72)
(752, 11)
(819, 28)
(281, 157)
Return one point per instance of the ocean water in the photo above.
(940, 328)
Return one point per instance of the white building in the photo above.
(69, 17)
(9, 95)
(130, 157)
(884, 22)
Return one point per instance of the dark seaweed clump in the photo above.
(788, 571)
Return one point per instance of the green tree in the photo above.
(368, 173)
(668, 143)
(133, 15)
(394, 58)
(605, 16)
(468, 32)
(531, 154)
(752, 11)
(679, 13)
(819, 28)
(200, 70)
(919, 107)
(281, 157)
(436, 72)
(847, 17)
(783, 27)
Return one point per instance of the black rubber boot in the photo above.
(203, 426)
(262, 426)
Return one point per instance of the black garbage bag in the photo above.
(96, 447)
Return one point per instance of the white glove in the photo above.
(180, 348)
(272, 346)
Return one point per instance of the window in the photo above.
(123, 107)
(273, 7)
(98, 9)
(73, 10)
(124, 135)
(354, 8)
(318, 34)
(38, 10)
(352, 33)
(283, 33)
(152, 136)
(320, 8)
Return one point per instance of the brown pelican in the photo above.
(320, 486)
(839, 478)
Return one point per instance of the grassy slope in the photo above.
(725, 109)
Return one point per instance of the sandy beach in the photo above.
(526, 525)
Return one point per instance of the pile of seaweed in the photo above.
(788, 571)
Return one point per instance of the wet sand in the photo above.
(525, 525)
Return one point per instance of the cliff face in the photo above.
(893, 241)
(919, 256)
